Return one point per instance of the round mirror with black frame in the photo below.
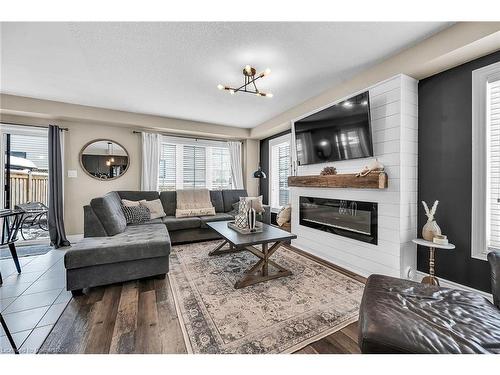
(104, 159)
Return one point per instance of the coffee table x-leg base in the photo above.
(259, 272)
(220, 251)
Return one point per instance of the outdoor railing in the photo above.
(29, 187)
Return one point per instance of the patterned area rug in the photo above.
(277, 316)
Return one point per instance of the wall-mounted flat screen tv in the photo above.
(339, 132)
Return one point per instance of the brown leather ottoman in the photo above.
(402, 316)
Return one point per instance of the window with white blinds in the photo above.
(168, 175)
(493, 160)
(194, 167)
(194, 164)
(485, 218)
(279, 168)
(283, 172)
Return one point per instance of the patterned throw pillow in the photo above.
(136, 214)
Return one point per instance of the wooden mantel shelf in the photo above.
(374, 180)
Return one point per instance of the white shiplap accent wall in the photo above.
(394, 111)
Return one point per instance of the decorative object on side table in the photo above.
(431, 279)
(328, 171)
(430, 229)
(373, 166)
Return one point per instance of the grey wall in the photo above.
(444, 169)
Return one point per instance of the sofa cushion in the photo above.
(173, 223)
(217, 202)
(169, 202)
(232, 196)
(219, 216)
(138, 195)
(136, 242)
(152, 221)
(109, 211)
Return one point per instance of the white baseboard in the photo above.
(453, 285)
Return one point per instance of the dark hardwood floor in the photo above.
(140, 317)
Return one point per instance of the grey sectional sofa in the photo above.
(113, 251)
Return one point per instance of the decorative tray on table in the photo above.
(258, 228)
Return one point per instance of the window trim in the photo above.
(272, 143)
(480, 78)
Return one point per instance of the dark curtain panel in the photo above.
(56, 211)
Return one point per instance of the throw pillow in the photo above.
(284, 215)
(127, 203)
(254, 202)
(155, 207)
(189, 212)
(136, 214)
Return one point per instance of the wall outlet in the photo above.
(72, 173)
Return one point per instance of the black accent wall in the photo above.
(444, 170)
(264, 162)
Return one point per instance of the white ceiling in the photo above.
(172, 69)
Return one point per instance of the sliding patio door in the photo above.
(25, 172)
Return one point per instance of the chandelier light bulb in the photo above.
(269, 95)
(220, 87)
(248, 69)
(267, 71)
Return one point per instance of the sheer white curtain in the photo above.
(150, 161)
(236, 164)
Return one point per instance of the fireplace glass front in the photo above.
(353, 219)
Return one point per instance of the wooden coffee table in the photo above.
(246, 242)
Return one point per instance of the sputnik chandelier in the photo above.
(250, 75)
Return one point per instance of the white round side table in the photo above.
(431, 279)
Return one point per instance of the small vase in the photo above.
(430, 230)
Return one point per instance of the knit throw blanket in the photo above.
(194, 202)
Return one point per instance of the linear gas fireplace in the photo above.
(353, 219)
